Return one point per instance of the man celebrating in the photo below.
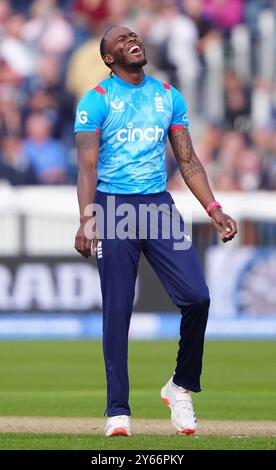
(121, 132)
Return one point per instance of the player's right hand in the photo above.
(82, 243)
(86, 236)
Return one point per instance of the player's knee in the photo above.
(196, 298)
(202, 297)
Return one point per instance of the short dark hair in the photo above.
(102, 46)
(103, 43)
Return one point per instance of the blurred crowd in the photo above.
(49, 56)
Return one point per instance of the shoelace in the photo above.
(181, 395)
(183, 401)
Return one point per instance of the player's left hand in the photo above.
(224, 224)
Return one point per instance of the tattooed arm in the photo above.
(196, 179)
(190, 167)
(87, 150)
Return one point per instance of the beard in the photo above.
(120, 59)
(138, 64)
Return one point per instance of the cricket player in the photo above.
(121, 130)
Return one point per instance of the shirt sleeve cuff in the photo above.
(176, 127)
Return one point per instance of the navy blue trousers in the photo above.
(181, 275)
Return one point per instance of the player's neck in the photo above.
(133, 76)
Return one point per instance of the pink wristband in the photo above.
(212, 205)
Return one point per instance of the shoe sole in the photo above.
(184, 431)
(119, 432)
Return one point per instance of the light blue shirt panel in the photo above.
(134, 123)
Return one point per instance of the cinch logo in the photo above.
(131, 134)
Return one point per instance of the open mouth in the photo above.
(135, 49)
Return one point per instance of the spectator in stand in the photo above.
(262, 103)
(224, 14)
(252, 9)
(194, 9)
(207, 35)
(225, 181)
(48, 94)
(10, 113)
(237, 103)
(225, 167)
(249, 166)
(41, 101)
(48, 30)
(264, 141)
(118, 12)
(14, 167)
(212, 137)
(5, 13)
(21, 6)
(14, 50)
(89, 13)
(45, 154)
(174, 37)
(86, 69)
(269, 167)
(8, 77)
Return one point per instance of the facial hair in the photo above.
(120, 60)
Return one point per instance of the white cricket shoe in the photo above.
(180, 402)
(118, 426)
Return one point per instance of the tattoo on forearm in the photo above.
(187, 160)
(87, 140)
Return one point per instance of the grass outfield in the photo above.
(67, 379)
(26, 441)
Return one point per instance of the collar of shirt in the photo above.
(127, 84)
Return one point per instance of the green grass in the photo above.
(67, 379)
(26, 441)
